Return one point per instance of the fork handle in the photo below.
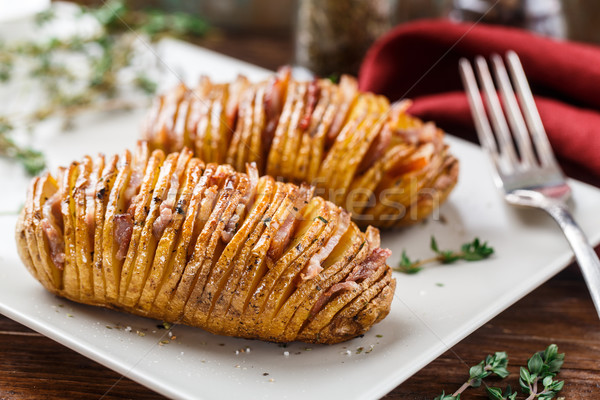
(584, 253)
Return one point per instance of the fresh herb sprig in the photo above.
(108, 54)
(536, 380)
(471, 251)
(492, 364)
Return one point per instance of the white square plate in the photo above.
(432, 310)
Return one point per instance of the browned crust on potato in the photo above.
(209, 247)
(357, 149)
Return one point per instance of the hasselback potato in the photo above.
(384, 166)
(173, 238)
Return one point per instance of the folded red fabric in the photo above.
(419, 60)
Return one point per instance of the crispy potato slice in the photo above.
(430, 198)
(198, 114)
(352, 251)
(70, 273)
(238, 96)
(313, 120)
(111, 264)
(286, 283)
(211, 121)
(135, 272)
(201, 204)
(166, 245)
(48, 229)
(340, 155)
(251, 264)
(293, 133)
(102, 192)
(200, 301)
(259, 263)
(83, 227)
(234, 95)
(360, 144)
(329, 249)
(349, 94)
(273, 167)
(360, 314)
(181, 133)
(258, 126)
(219, 319)
(149, 123)
(329, 166)
(22, 246)
(396, 193)
(361, 195)
(162, 128)
(86, 249)
(337, 302)
(30, 228)
(206, 238)
(310, 222)
(317, 148)
(243, 134)
(219, 140)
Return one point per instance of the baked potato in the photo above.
(176, 239)
(382, 165)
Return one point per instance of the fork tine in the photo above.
(512, 110)
(482, 124)
(507, 148)
(538, 133)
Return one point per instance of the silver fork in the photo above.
(527, 173)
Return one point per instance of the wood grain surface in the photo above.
(560, 311)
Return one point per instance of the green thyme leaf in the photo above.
(535, 364)
(472, 251)
(445, 396)
(495, 393)
(406, 265)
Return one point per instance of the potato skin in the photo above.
(201, 244)
(387, 168)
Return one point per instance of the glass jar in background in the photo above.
(545, 17)
(332, 36)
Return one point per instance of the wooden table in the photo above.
(560, 311)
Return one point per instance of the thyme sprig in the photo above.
(536, 380)
(66, 92)
(472, 251)
(492, 364)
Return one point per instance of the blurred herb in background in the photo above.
(65, 91)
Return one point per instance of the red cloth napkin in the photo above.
(419, 60)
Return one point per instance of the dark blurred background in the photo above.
(331, 36)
